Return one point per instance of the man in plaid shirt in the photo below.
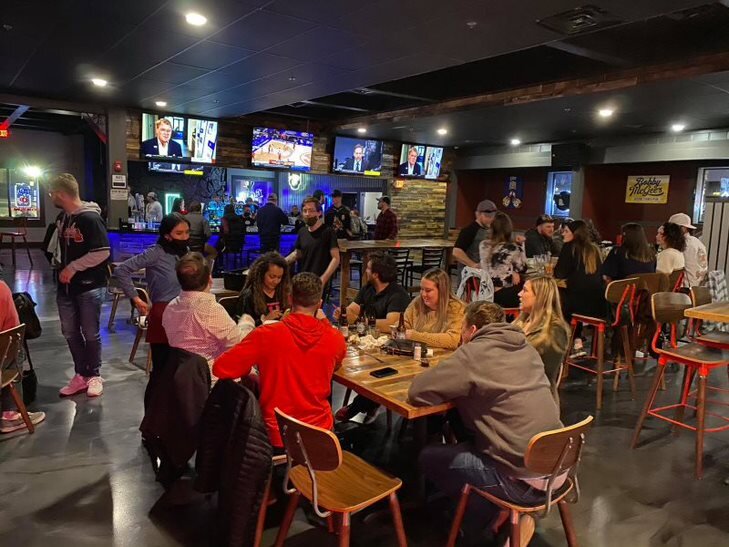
(386, 227)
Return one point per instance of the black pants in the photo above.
(270, 243)
(508, 297)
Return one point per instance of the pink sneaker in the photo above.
(76, 385)
(95, 386)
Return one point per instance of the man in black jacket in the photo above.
(269, 220)
(540, 240)
(338, 217)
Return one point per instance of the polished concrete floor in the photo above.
(83, 478)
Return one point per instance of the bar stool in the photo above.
(21, 232)
(402, 259)
(432, 258)
(668, 309)
(141, 330)
(620, 294)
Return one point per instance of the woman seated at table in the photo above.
(267, 291)
(504, 260)
(543, 324)
(633, 256)
(433, 318)
(579, 267)
(672, 243)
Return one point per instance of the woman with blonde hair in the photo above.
(435, 316)
(543, 324)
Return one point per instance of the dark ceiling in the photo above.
(258, 55)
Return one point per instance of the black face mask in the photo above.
(310, 221)
(177, 246)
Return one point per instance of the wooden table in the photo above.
(390, 392)
(716, 311)
(346, 248)
(219, 290)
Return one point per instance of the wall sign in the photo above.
(118, 181)
(4, 133)
(647, 189)
(514, 193)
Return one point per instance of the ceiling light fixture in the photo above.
(515, 142)
(195, 19)
(292, 78)
(442, 131)
(678, 127)
(160, 103)
(99, 82)
(605, 112)
(361, 130)
(32, 171)
(472, 24)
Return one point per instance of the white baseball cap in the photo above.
(682, 219)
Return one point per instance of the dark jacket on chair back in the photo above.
(175, 398)
(234, 458)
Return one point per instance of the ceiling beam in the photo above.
(589, 53)
(51, 104)
(366, 91)
(611, 81)
(19, 111)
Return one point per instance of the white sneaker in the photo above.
(16, 423)
(76, 385)
(95, 386)
(578, 349)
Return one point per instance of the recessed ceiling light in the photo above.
(160, 103)
(292, 78)
(361, 130)
(442, 131)
(678, 127)
(195, 19)
(472, 24)
(99, 82)
(605, 112)
(515, 142)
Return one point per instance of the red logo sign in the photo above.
(4, 133)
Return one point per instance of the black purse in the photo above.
(29, 379)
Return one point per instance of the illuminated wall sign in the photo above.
(647, 189)
(4, 133)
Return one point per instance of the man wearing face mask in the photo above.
(159, 263)
(316, 248)
(81, 282)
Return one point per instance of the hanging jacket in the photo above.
(233, 458)
(475, 286)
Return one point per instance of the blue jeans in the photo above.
(80, 318)
(450, 467)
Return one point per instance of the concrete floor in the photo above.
(83, 478)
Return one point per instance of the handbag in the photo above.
(29, 382)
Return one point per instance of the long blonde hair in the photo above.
(546, 312)
(445, 294)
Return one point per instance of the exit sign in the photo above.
(4, 133)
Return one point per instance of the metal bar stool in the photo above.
(21, 232)
(620, 294)
(668, 309)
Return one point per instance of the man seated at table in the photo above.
(296, 360)
(497, 382)
(386, 299)
(194, 321)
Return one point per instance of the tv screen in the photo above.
(433, 159)
(173, 136)
(281, 148)
(357, 156)
(412, 161)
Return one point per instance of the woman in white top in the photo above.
(671, 240)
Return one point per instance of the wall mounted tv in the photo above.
(178, 138)
(357, 156)
(420, 161)
(281, 148)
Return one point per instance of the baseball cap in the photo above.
(682, 219)
(486, 206)
(544, 219)
(386, 199)
(151, 195)
(272, 197)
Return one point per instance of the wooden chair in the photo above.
(230, 303)
(551, 454)
(10, 342)
(335, 482)
(141, 330)
(668, 309)
(620, 295)
(651, 283)
(21, 232)
(675, 280)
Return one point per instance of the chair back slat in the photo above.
(308, 445)
(432, 257)
(230, 303)
(653, 282)
(669, 307)
(554, 452)
(144, 295)
(700, 296)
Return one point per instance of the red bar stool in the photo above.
(620, 294)
(668, 309)
(511, 313)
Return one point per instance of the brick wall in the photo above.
(420, 208)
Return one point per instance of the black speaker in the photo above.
(572, 154)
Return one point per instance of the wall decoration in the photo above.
(651, 189)
(514, 193)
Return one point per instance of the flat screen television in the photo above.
(433, 160)
(357, 156)
(412, 161)
(282, 148)
(178, 138)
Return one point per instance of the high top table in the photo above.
(346, 248)
(717, 312)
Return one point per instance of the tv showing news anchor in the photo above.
(162, 144)
(411, 158)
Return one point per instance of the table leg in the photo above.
(344, 281)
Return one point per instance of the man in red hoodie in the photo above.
(296, 359)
